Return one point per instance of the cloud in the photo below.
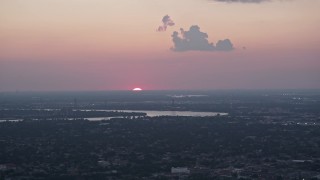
(224, 45)
(248, 1)
(242, 1)
(167, 21)
(195, 40)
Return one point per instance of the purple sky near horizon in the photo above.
(56, 45)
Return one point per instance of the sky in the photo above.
(66, 45)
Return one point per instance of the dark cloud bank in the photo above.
(195, 40)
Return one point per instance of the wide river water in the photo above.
(162, 113)
(148, 112)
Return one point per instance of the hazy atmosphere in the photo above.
(159, 89)
(49, 45)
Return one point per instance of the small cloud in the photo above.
(242, 1)
(195, 40)
(167, 21)
(224, 45)
(190, 40)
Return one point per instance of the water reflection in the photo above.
(160, 113)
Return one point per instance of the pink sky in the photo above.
(114, 45)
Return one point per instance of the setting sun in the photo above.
(137, 89)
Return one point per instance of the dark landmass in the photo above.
(267, 135)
